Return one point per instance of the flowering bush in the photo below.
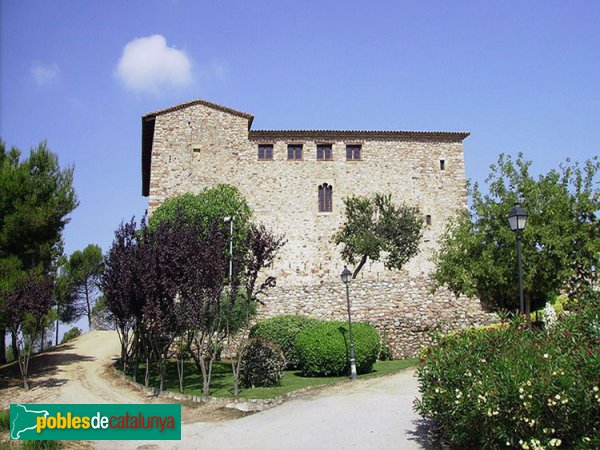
(515, 387)
(550, 316)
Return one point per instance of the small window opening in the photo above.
(265, 152)
(428, 219)
(442, 164)
(295, 152)
(353, 152)
(324, 152)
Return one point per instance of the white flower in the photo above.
(550, 317)
(546, 355)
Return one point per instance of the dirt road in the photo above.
(78, 372)
(367, 414)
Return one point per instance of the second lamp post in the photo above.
(517, 219)
(346, 278)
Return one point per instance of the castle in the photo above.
(295, 181)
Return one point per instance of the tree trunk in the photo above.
(3, 349)
(15, 346)
(147, 374)
(42, 340)
(89, 308)
(362, 262)
(56, 341)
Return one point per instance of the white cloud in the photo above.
(44, 74)
(149, 65)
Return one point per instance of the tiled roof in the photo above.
(148, 121)
(356, 134)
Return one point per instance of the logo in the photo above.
(95, 422)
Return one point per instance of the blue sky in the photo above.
(520, 76)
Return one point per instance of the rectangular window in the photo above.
(442, 164)
(428, 219)
(265, 151)
(324, 152)
(294, 152)
(353, 152)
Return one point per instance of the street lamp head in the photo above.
(346, 275)
(517, 218)
(228, 219)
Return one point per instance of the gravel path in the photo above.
(369, 414)
(77, 372)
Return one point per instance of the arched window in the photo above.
(325, 201)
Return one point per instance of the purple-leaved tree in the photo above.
(25, 307)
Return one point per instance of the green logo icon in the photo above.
(95, 422)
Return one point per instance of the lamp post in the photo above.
(230, 219)
(517, 219)
(346, 278)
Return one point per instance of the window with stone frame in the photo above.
(294, 152)
(353, 152)
(325, 198)
(265, 152)
(324, 152)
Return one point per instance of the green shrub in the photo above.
(282, 330)
(517, 388)
(385, 353)
(10, 357)
(262, 364)
(4, 420)
(71, 334)
(323, 348)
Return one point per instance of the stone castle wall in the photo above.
(403, 310)
(199, 146)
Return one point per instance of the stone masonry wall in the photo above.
(197, 146)
(405, 313)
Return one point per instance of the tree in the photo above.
(36, 197)
(24, 310)
(561, 243)
(209, 207)
(83, 271)
(169, 282)
(123, 288)
(258, 251)
(102, 318)
(375, 226)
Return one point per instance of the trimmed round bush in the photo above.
(262, 364)
(323, 348)
(282, 330)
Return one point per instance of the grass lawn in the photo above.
(221, 383)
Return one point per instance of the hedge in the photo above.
(323, 348)
(282, 330)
